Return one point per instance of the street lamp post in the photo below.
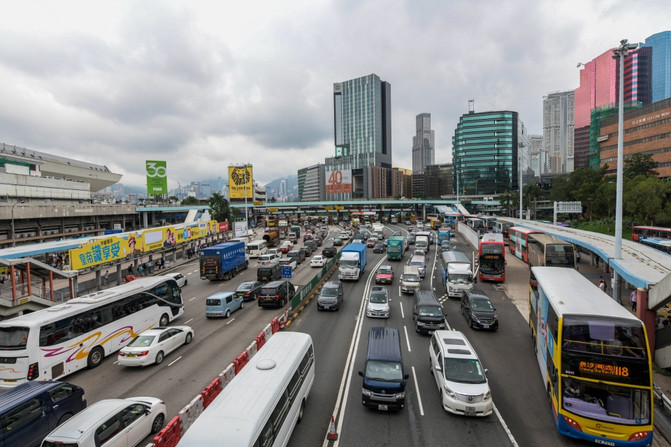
(13, 232)
(620, 52)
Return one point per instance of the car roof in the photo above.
(220, 295)
(25, 391)
(477, 293)
(330, 284)
(454, 344)
(89, 418)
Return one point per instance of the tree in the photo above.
(640, 164)
(220, 210)
(190, 201)
(644, 199)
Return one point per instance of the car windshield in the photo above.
(378, 298)
(460, 278)
(411, 277)
(384, 371)
(329, 291)
(482, 305)
(430, 311)
(385, 270)
(141, 341)
(464, 370)
(245, 286)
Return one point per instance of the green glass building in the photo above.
(485, 153)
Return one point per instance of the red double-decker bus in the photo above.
(492, 256)
(519, 242)
(639, 231)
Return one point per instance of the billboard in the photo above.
(157, 177)
(338, 181)
(240, 182)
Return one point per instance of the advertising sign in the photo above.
(157, 177)
(100, 251)
(240, 229)
(338, 182)
(240, 182)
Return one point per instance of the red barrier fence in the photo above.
(170, 435)
(211, 391)
(260, 340)
(275, 324)
(240, 361)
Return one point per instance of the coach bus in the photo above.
(502, 227)
(264, 401)
(492, 256)
(594, 360)
(638, 232)
(78, 334)
(519, 241)
(545, 250)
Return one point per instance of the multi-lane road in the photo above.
(522, 415)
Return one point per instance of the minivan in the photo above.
(459, 375)
(269, 272)
(298, 255)
(331, 296)
(427, 312)
(384, 377)
(223, 304)
(419, 261)
(479, 310)
(276, 294)
(32, 410)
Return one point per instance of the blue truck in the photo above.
(352, 261)
(443, 234)
(222, 261)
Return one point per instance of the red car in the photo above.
(370, 243)
(384, 275)
(286, 247)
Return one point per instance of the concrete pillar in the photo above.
(649, 317)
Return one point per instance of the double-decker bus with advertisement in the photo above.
(519, 241)
(639, 231)
(492, 257)
(545, 250)
(51, 343)
(594, 360)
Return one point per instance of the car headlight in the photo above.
(449, 392)
(365, 392)
(475, 317)
(400, 395)
(386, 309)
(488, 395)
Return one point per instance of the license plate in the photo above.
(486, 326)
(130, 355)
(382, 407)
(470, 411)
(602, 442)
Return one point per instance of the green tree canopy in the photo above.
(190, 201)
(640, 164)
(220, 210)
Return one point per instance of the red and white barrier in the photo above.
(191, 412)
(170, 435)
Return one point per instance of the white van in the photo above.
(460, 377)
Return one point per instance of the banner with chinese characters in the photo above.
(100, 251)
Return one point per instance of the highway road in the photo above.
(522, 416)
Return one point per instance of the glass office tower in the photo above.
(661, 65)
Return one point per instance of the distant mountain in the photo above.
(273, 188)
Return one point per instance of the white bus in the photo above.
(257, 248)
(262, 404)
(59, 340)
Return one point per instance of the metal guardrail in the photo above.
(663, 417)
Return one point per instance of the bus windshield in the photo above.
(559, 255)
(13, 337)
(595, 336)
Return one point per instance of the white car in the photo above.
(318, 261)
(288, 261)
(267, 258)
(152, 345)
(181, 279)
(111, 422)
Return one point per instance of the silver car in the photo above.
(378, 303)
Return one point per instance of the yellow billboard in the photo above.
(240, 182)
(100, 251)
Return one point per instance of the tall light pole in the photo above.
(519, 165)
(13, 232)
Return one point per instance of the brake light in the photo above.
(639, 435)
(574, 424)
(276, 297)
(142, 354)
(33, 371)
(248, 293)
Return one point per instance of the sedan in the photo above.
(181, 279)
(329, 251)
(337, 242)
(384, 275)
(152, 345)
(286, 247)
(379, 247)
(318, 261)
(249, 290)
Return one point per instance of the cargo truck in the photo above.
(457, 273)
(443, 234)
(395, 248)
(222, 261)
(272, 238)
(352, 261)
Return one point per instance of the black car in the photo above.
(479, 310)
(337, 241)
(379, 247)
(410, 238)
(249, 290)
(329, 251)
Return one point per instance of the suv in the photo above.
(459, 375)
(298, 255)
(479, 310)
(427, 312)
(270, 271)
(331, 296)
(276, 294)
(378, 303)
(329, 251)
(267, 258)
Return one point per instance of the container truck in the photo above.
(222, 261)
(457, 273)
(352, 261)
(395, 248)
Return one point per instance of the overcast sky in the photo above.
(205, 84)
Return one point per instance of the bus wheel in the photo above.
(96, 357)
(301, 411)
(163, 322)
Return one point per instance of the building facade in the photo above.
(660, 44)
(486, 152)
(438, 181)
(423, 144)
(557, 137)
(401, 183)
(647, 130)
(311, 183)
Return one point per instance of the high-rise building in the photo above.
(660, 44)
(362, 131)
(485, 152)
(557, 137)
(423, 145)
(401, 183)
(438, 180)
(311, 186)
(538, 160)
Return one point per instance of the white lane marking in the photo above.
(230, 320)
(400, 304)
(187, 321)
(505, 427)
(419, 397)
(194, 298)
(407, 339)
(175, 361)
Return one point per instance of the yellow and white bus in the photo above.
(594, 359)
(78, 334)
(263, 403)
